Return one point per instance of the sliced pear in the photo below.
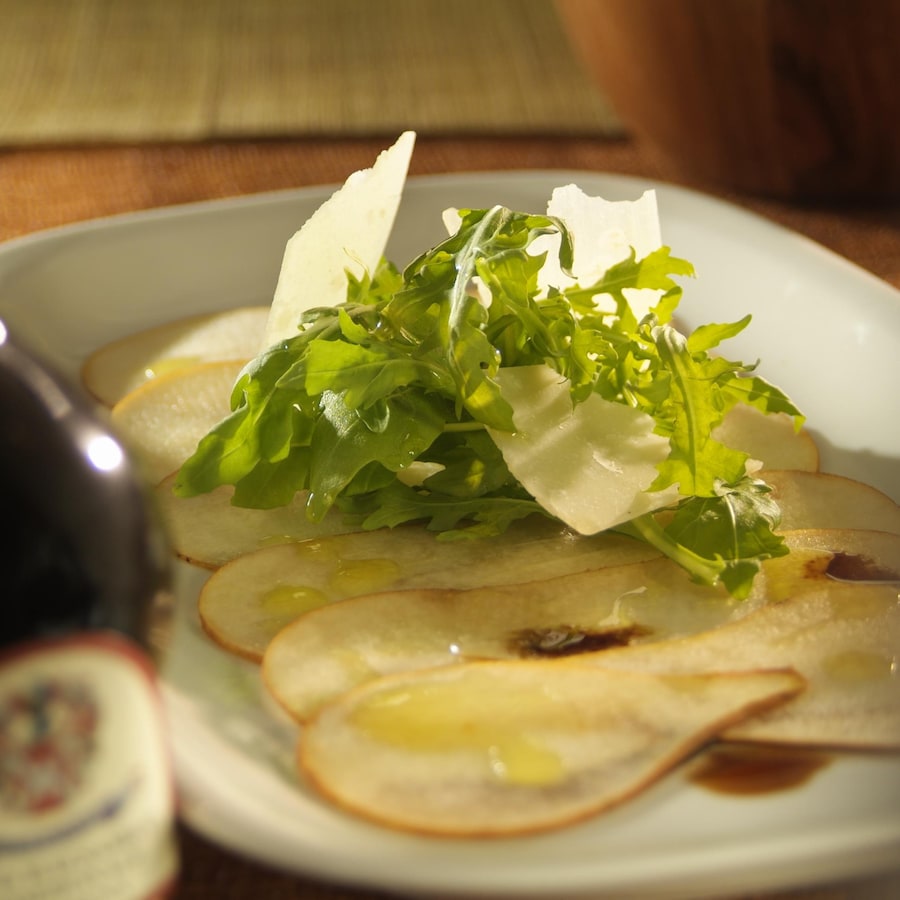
(821, 555)
(492, 749)
(820, 500)
(208, 531)
(164, 419)
(329, 650)
(843, 639)
(117, 368)
(770, 438)
(246, 602)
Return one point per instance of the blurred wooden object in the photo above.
(788, 98)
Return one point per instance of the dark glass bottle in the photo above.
(86, 791)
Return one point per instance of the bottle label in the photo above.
(87, 805)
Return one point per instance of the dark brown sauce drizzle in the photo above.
(853, 567)
(565, 641)
(749, 769)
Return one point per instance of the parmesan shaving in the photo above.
(348, 232)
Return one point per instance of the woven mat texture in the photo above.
(120, 70)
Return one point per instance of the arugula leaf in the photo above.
(702, 388)
(405, 371)
(694, 407)
(343, 443)
(471, 465)
(721, 539)
(653, 272)
(397, 504)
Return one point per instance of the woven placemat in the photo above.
(113, 70)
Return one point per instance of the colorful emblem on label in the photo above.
(47, 738)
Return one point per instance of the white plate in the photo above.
(827, 332)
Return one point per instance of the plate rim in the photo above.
(418, 183)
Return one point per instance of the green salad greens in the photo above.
(383, 406)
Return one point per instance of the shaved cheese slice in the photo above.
(347, 232)
(603, 234)
(589, 466)
(500, 748)
(451, 219)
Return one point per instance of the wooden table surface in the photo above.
(50, 186)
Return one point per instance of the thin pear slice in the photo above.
(843, 639)
(249, 600)
(329, 650)
(821, 555)
(117, 368)
(164, 419)
(770, 438)
(491, 749)
(208, 531)
(820, 500)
